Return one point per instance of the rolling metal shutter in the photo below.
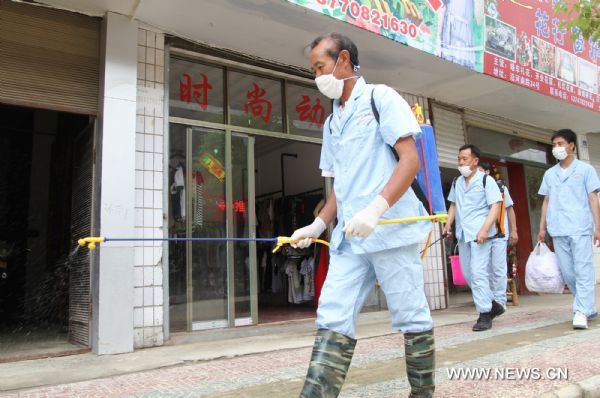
(81, 219)
(449, 133)
(507, 126)
(49, 58)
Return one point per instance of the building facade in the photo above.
(162, 112)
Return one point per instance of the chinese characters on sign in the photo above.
(239, 206)
(212, 94)
(314, 114)
(528, 47)
(199, 91)
(257, 104)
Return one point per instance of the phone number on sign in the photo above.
(371, 15)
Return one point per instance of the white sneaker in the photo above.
(579, 321)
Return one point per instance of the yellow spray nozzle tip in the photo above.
(91, 241)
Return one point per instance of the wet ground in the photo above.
(535, 338)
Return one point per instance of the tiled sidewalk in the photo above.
(537, 339)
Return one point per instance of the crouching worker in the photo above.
(369, 185)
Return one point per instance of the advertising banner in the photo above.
(519, 41)
(451, 29)
(525, 45)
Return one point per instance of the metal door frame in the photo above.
(231, 320)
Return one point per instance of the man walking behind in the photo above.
(475, 204)
(507, 219)
(569, 213)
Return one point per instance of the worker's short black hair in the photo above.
(485, 165)
(474, 150)
(341, 43)
(568, 134)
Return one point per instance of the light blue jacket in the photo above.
(356, 151)
(473, 205)
(569, 212)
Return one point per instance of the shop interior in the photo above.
(43, 203)
(289, 192)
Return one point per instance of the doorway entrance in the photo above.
(289, 193)
(46, 174)
(209, 196)
(212, 194)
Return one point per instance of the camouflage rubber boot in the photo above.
(329, 363)
(420, 363)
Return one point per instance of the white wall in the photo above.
(112, 274)
(148, 305)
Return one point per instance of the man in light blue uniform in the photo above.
(475, 209)
(369, 185)
(569, 213)
(498, 267)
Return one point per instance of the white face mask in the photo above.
(465, 171)
(330, 86)
(560, 152)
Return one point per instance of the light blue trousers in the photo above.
(498, 270)
(474, 263)
(350, 280)
(575, 259)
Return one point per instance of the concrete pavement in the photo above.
(272, 360)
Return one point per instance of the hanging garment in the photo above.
(307, 272)
(278, 274)
(178, 194)
(295, 289)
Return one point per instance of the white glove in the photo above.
(364, 222)
(302, 238)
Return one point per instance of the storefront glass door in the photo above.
(216, 113)
(242, 219)
(207, 261)
(210, 282)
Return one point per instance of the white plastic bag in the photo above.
(542, 274)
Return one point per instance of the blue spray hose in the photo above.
(274, 240)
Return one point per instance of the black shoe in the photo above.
(497, 309)
(484, 322)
